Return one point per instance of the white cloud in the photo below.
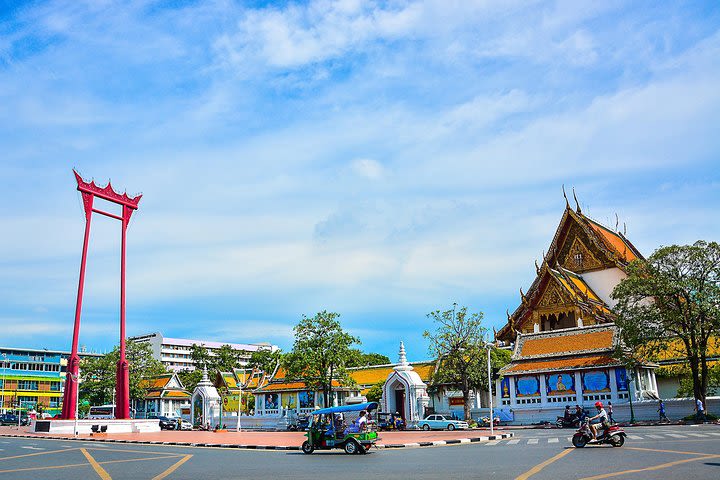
(368, 168)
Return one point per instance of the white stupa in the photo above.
(205, 402)
(404, 392)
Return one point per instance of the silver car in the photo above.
(441, 422)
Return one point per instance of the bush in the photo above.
(708, 416)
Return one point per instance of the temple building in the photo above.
(562, 333)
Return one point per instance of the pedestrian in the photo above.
(661, 412)
(609, 412)
(700, 411)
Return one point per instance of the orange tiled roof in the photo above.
(289, 386)
(155, 394)
(594, 361)
(564, 344)
(156, 382)
(177, 394)
(377, 374)
(614, 241)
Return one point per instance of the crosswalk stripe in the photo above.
(32, 448)
(701, 435)
(514, 441)
(569, 439)
(532, 441)
(553, 440)
(655, 436)
(714, 433)
(635, 437)
(675, 435)
(492, 442)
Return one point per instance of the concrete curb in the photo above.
(437, 443)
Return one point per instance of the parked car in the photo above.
(12, 419)
(441, 422)
(183, 424)
(166, 423)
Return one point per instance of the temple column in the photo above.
(578, 388)
(613, 385)
(512, 392)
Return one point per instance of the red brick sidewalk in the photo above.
(269, 439)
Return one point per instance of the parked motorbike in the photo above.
(613, 435)
(570, 422)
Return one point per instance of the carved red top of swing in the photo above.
(106, 192)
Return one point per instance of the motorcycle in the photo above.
(612, 435)
(570, 422)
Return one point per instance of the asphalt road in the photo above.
(649, 453)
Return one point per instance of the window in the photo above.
(54, 402)
(27, 402)
(55, 386)
(27, 385)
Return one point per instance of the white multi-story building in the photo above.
(174, 353)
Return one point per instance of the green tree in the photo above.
(98, 373)
(226, 359)
(459, 343)
(190, 378)
(361, 359)
(673, 296)
(374, 394)
(265, 360)
(320, 353)
(200, 356)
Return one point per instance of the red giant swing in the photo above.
(88, 191)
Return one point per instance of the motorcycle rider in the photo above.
(602, 416)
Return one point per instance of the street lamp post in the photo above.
(76, 379)
(2, 395)
(492, 419)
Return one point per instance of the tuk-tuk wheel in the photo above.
(351, 447)
(307, 447)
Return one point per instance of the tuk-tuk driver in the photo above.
(362, 421)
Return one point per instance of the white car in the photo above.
(184, 424)
(441, 422)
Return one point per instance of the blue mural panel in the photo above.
(505, 387)
(596, 381)
(272, 401)
(621, 379)
(527, 386)
(306, 399)
(560, 384)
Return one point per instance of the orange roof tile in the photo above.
(177, 394)
(614, 240)
(378, 374)
(594, 361)
(153, 394)
(289, 386)
(564, 344)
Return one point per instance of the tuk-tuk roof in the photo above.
(347, 408)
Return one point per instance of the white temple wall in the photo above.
(602, 282)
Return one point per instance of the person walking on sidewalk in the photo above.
(661, 412)
(700, 411)
(609, 412)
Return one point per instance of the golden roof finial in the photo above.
(576, 201)
(617, 222)
(507, 312)
(537, 268)
(567, 203)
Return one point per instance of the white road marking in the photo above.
(714, 433)
(655, 436)
(33, 448)
(514, 441)
(532, 441)
(675, 435)
(492, 442)
(634, 437)
(553, 440)
(701, 435)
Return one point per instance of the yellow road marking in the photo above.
(96, 466)
(544, 464)
(666, 451)
(649, 469)
(85, 464)
(44, 468)
(40, 453)
(172, 468)
(109, 449)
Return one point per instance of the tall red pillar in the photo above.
(89, 191)
(73, 366)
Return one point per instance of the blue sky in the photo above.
(378, 159)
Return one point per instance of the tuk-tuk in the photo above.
(338, 427)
